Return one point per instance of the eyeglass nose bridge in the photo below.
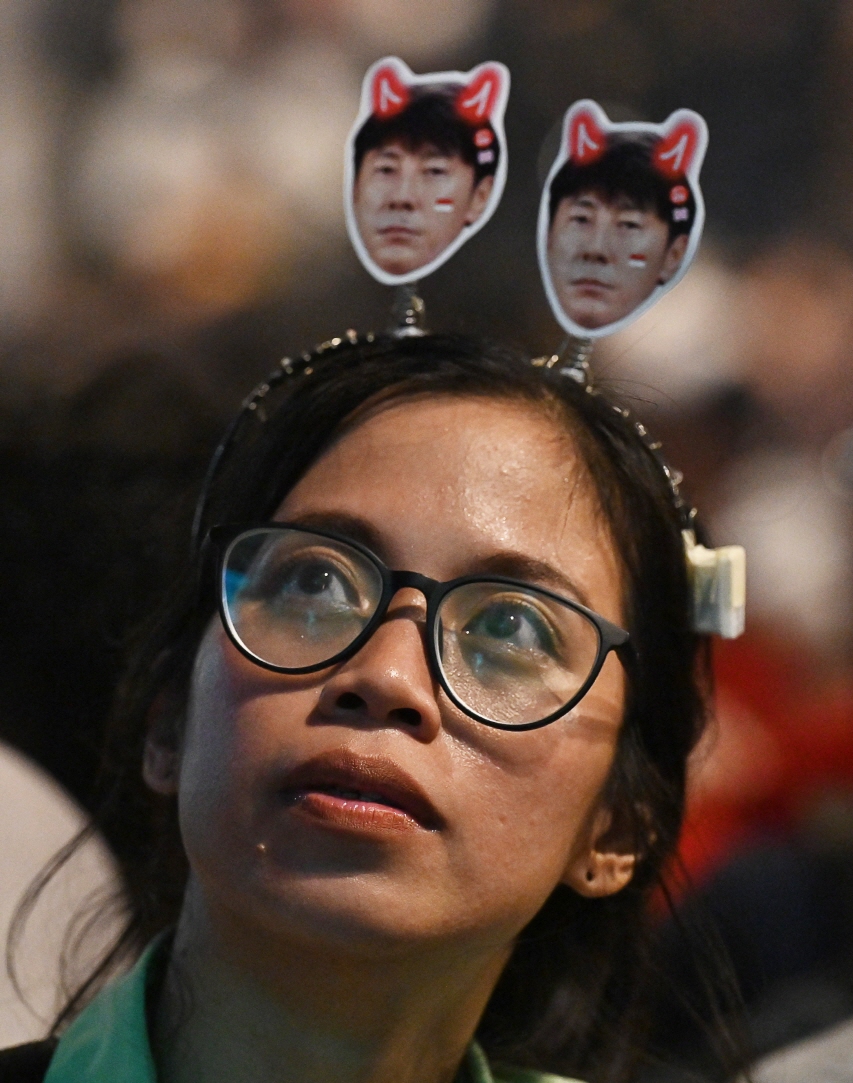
(423, 583)
(394, 582)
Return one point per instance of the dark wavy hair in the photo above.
(572, 996)
(430, 120)
(625, 169)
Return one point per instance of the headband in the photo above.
(607, 239)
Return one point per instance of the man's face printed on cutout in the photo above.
(606, 257)
(620, 217)
(409, 205)
(426, 165)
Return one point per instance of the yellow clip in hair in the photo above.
(719, 587)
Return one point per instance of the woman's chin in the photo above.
(353, 917)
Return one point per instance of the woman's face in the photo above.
(288, 785)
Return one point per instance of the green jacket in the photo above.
(108, 1042)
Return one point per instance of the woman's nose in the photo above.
(388, 683)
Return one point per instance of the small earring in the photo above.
(590, 876)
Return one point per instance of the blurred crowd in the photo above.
(172, 224)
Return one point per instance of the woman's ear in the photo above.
(606, 861)
(161, 756)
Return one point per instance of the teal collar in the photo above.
(108, 1042)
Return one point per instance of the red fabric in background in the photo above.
(782, 736)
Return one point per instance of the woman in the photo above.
(406, 794)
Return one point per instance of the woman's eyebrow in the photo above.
(341, 522)
(512, 564)
(537, 572)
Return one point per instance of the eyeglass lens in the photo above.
(295, 599)
(509, 653)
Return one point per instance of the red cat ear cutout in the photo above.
(476, 101)
(677, 150)
(586, 138)
(390, 94)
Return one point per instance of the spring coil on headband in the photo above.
(717, 575)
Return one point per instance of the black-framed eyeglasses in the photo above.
(509, 654)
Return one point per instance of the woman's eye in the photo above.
(304, 583)
(514, 625)
(318, 580)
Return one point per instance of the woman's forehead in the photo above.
(465, 447)
(448, 480)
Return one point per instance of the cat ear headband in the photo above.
(620, 221)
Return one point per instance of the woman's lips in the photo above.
(360, 793)
(353, 814)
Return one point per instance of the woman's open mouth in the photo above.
(358, 793)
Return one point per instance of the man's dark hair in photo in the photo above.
(626, 169)
(430, 120)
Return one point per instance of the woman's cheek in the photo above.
(529, 813)
(224, 748)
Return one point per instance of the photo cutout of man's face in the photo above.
(620, 218)
(605, 257)
(410, 205)
(426, 165)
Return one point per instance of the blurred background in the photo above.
(171, 225)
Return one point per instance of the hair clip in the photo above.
(718, 577)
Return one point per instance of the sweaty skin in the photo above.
(606, 258)
(410, 205)
(357, 952)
